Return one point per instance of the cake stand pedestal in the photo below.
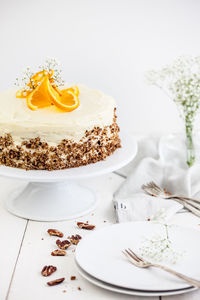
(51, 202)
(55, 195)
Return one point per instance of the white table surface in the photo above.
(26, 247)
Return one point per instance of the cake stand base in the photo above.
(51, 202)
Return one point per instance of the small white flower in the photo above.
(159, 248)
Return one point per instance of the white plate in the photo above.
(99, 254)
(117, 160)
(116, 289)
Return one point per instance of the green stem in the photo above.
(189, 141)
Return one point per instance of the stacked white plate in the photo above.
(100, 260)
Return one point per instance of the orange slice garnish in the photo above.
(40, 97)
(68, 101)
(43, 92)
(55, 87)
(35, 80)
(74, 89)
(22, 93)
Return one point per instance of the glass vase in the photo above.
(189, 143)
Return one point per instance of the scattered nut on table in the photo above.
(63, 244)
(58, 252)
(56, 281)
(75, 239)
(86, 226)
(48, 270)
(55, 232)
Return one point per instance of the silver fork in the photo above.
(191, 204)
(142, 263)
(153, 189)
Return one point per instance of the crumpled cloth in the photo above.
(162, 160)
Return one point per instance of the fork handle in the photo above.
(188, 279)
(190, 202)
(189, 207)
(184, 198)
(194, 204)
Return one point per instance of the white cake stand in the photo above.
(54, 195)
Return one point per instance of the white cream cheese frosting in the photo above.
(50, 124)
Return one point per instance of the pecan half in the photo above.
(73, 278)
(85, 226)
(55, 232)
(63, 244)
(56, 281)
(58, 253)
(75, 239)
(48, 270)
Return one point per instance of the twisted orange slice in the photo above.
(74, 89)
(67, 101)
(40, 97)
(22, 93)
(43, 92)
(35, 80)
(45, 95)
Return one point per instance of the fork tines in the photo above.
(152, 188)
(130, 254)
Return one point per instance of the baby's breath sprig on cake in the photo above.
(31, 79)
(181, 82)
(23, 83)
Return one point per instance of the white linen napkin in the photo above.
(162, 160)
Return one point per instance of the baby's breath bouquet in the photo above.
(181, 82)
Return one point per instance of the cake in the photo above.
(52, 138)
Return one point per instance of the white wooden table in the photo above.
(26, 247)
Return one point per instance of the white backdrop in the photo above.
(105, 44)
